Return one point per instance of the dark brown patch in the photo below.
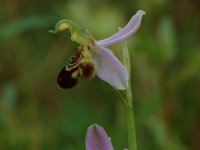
(88, 70)
(65, 79)
(75, 59)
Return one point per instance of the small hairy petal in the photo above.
(110, 69)
(97, 139)
(125, 32)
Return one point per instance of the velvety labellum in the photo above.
(65, 79)
(78, 67)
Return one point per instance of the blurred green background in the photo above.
(165, 53)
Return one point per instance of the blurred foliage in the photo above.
(35, 114)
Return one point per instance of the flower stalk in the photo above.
(132, 142)
(128, 100)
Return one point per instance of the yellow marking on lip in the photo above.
(75, 74)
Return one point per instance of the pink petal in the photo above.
(97, 139)
(125, 32)
(110, 69)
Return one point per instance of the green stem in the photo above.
(129, 113)
(130, 121)
(132, 144)
(128, 100)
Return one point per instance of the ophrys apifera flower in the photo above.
(93, 57)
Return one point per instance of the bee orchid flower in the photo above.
(93, 57)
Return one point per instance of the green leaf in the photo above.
(78, 34)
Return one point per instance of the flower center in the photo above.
(81, 65)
